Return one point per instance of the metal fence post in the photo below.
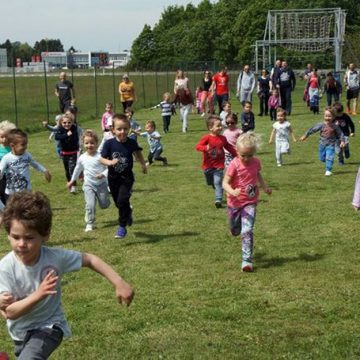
(14, 83)
(96, 95)
(46, 93)
(143, 87)
(114, 94)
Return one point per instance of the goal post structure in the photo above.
(303, 31)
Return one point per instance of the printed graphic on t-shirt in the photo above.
(122, 164)
(250, 190)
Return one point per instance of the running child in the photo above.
(5, 127)
(247, 118)
(347, 127)
(15, 165)
(69, 142)
(241, 184)
(274, 103)
(117, 155)
(30, 278)
(155, 146)
(106, 115)
(135, 128)
(167, 109)
(330, 133)
(226, 109)
(281, 131)
(232, 132)
(212, 146)
(95, 178)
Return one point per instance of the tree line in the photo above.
(223, 31)
(24, 51)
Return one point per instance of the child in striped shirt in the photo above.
(167, 109)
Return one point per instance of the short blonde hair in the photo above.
(6, 126)
(249, 140)
(91, 134)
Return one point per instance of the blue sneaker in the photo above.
(121, 232)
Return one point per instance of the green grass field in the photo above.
(192, 300)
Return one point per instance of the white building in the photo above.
(118, 59)
(3, 58)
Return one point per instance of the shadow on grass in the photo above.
(154, 238)
(115, 223)
(58, 209)
(298, 163)
(263, 262)
(85, 238)
(146, 190)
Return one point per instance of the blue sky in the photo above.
(110, 25)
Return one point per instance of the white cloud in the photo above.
(87, 25)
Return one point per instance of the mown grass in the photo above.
(192, 301)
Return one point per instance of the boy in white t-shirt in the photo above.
(281, 130)
(30, 291)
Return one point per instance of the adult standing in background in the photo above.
(220, 84)
(274, 74)
(64, 90)
(308, 71)
(207, 94)
(245, 85)
(127, 92)
(181, 82)
(351, 81)
(263, 91)
(286, 84)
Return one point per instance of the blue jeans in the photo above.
(327, 155)
(214, 178)
(285, 94)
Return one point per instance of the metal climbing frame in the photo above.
(304, 31)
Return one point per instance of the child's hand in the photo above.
(6, 299)
(69, 184)
(302, 138)
(47, 176)
(270, 142)
(342, 144)
(45, 123)
(48, 285)
(99, 176)
(113, 162)
(268, 190)
(69, 133)
(124, 293)
(235, 192)
(144, 168)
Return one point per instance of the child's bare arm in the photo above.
(124, 292)
(227, 187)
(263, 184)
(140, 158)
(292, 134)
(108, 162)
(22, 307)
(272, 136)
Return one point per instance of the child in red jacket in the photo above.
(212, 146)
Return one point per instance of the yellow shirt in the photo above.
(127, 91)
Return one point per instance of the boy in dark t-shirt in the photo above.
(64, 90)
(347, 127)
(117, 154)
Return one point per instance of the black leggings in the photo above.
(69, 165)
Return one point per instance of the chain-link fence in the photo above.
(27, 99)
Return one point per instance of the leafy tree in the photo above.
(143, 48)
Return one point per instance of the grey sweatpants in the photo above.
(91, 194)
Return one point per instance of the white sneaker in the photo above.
(73, 189)
(328, 173)
(89, 227)
(278, 164)
(203, 114)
